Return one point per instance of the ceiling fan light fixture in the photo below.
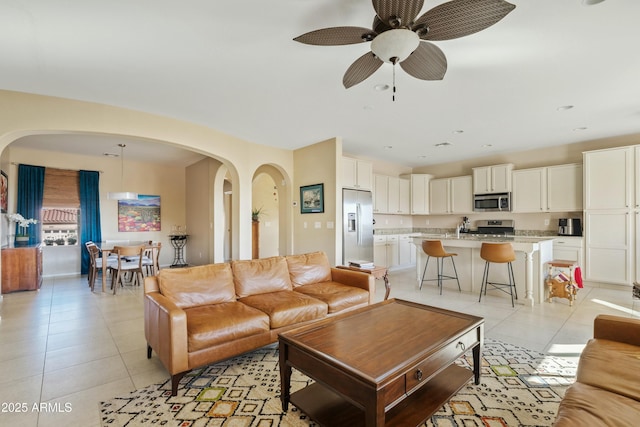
(395, 46)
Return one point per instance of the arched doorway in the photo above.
(270, 199)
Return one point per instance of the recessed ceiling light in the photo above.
(422, 156)
(580, 128)
(459, 131)
(487, 145)
(442, 144)
(565, 108)
(388, 147)
(381, 87)
(367, 107)
(110, 154)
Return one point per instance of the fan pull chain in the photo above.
(393, 96)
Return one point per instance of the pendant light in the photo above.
(122, 195)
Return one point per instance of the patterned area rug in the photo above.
(518, 387)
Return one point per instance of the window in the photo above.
(60, 226)
(61, 203)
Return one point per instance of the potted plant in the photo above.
(49, 240)
(22, 236)
(60, 241)
(72, 239)
(256, 213)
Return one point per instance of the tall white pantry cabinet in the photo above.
(612, 215)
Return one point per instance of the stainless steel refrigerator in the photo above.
(357, 226)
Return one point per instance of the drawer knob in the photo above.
(419, 375)
(461, 345)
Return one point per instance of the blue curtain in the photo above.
(30, 194)
(90, 227)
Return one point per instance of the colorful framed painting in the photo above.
(142, 214)
(4, 192)
(312, 198)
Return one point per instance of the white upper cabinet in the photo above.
(548, 189)
(564, 188)
(380, 194)
(609, 179)
(492, 179)
(529, 190)
(391, 195)
(451, 195)
(420, 193)
(357, 174)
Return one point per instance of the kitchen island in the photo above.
(529, 268)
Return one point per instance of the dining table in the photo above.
(107, 248)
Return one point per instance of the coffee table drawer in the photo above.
(430, 366)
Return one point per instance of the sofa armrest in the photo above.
(616, 328)
(165, 329)
(357, 279)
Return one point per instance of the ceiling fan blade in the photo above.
(361, 68)
(427, 62)
(391, 10)
(459, 18)
(336, 36)
(379, 26)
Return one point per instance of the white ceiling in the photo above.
(232, 65)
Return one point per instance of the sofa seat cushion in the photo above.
(607, 365)
(585, 405)
(215, 324)
(336, 295)
(310, 268)
(196, 286)
(260, 276)
(286, 308)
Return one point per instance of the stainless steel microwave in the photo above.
(498, 202)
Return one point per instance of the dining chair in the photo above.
(95, 264)
(151, 259)
(123, 266)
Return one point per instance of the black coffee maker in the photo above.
(569, 227)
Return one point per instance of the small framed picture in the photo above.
(4, 192)
(312, 198)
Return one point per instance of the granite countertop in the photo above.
(485, 238)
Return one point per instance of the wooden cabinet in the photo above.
(420, 193)
(391, 195)
(492, 179)
(548, 189)
(611, 215)
(357, 174)
(21, 268)
(451, 195)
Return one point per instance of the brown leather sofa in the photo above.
(200, 315)
(607, 387)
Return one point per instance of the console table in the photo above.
(178, 241)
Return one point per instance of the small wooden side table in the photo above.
(566, 289)
(378, 272)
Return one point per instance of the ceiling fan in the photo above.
(397, 36)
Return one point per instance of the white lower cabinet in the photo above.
(568, 248)
(393, 250)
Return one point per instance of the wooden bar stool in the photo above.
(499, 253)
(433, 248)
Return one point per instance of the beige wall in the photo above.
(317, 164)
(26, 114)
(166, 181)
(265, 197)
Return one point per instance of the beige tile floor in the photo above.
(69, 348)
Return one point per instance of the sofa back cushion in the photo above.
(259, 276)
(307, 269)
(196, 286)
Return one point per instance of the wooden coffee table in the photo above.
(388, 364)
